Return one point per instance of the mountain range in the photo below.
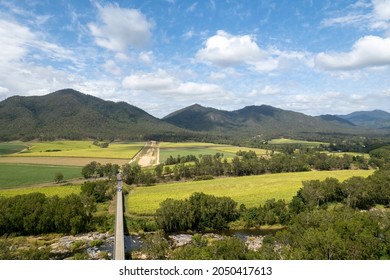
(70, 114)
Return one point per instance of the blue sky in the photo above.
(310, 56)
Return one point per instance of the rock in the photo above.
(180, 239)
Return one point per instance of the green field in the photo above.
(283, 141)
(250, 190)
(195, 148)
(61, 191)
(19, 175)
(11, 148)
(80, 149)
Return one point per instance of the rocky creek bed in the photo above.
(99, 246)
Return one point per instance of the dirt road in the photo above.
(149, 155)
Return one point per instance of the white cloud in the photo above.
(225, 49)
(217, 75)
(121, 28)
(3, 90)
(14, 40)
(163, 84)
(270, 90)
(23, 53)
(192, 7)
(382, 9)
(266, 90)
(378, 18)
(146, 57)
(345, 20)
(158, 81)
(123, 57)
(17, 41)
(111, 67)
(369, 51)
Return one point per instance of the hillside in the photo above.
(374, 119)
(73, 115)
(261, 120)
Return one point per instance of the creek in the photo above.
(135, 241)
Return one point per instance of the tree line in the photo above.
(36, 213)
(245, 163)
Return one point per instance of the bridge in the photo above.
(119, 246)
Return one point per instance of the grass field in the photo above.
(195, 148)
(283, 141)
(11, 148)
(71, 161)
(61, 191)
(80, 149)
(251, 190)
(19, 175)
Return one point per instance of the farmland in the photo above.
(250, 190)
(11, 148)
(284, 141)
(194, 148)
(80, 149)
(61, 191)
(72, 153)
(19, 175)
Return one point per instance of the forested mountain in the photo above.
(375, 119)
(73, 115)
(261, 120)
(70, 114)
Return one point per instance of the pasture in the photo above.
(61, 191)
(19, 175)
(80, 149)
(196, 148)
(8, 148)
(250, 190)
(284, 141)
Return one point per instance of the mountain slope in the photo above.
(258, 120)
(74, 115)
(199, 118)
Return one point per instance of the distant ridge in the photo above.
(262, 120)
(373, 119)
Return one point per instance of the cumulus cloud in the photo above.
(164, 84)
(369, 51)
(225, 49)
(121, 28)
